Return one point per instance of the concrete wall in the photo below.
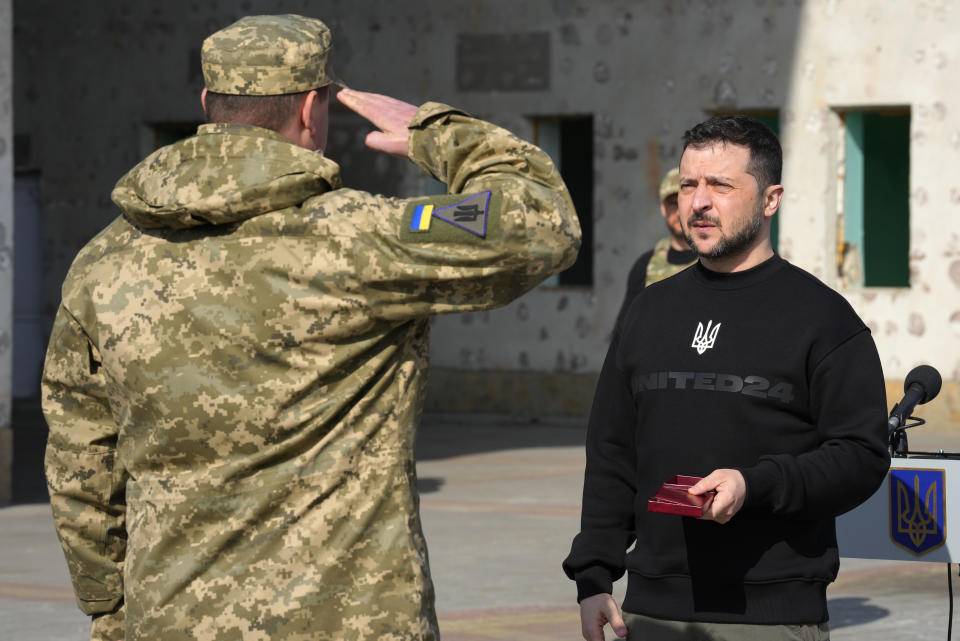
(667, 65)
(644, 69)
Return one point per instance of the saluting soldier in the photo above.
(237, 367)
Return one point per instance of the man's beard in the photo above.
(732, 245)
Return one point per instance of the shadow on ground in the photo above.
(426, 485)
(450, 436)
(847, 611)
(29, 442)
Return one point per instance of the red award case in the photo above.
(673, 498)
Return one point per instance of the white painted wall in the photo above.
(858, 54)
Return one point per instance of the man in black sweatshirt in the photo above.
(751, 373)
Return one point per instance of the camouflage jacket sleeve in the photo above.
(506, 224)
(85, 483)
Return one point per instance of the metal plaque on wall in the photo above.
(503, 62)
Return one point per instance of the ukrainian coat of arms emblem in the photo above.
(918, 509)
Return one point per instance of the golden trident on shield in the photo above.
(916, 523)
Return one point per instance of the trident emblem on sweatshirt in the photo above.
(705, 337)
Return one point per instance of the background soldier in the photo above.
(670, 255)
(237, 367)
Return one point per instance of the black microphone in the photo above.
(921, 386)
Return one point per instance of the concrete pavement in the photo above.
(500, 504)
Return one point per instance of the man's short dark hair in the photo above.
(766, 155)
(269, 112)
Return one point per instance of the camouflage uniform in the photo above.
(661, 261)
(237, 368)
(658, 267)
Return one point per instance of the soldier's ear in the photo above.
(305, 115)
(303, 129)
(203, 100)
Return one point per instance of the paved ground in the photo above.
(500, 506)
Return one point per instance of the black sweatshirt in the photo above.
(767, 371)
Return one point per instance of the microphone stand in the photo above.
(897, 440)
(897, 435)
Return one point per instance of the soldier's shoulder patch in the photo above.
(454, 218)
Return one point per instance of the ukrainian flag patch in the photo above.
(421, 218)
(452, 218)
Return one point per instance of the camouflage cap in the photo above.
(268, 56)
(670, 184)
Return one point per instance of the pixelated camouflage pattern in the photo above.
(108, 626)
(659, 268)
(268, 55)
(670, 184)
(236, 373)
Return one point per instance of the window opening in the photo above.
(875, 242)
(568, 140)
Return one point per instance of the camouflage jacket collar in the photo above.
(224, 174)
